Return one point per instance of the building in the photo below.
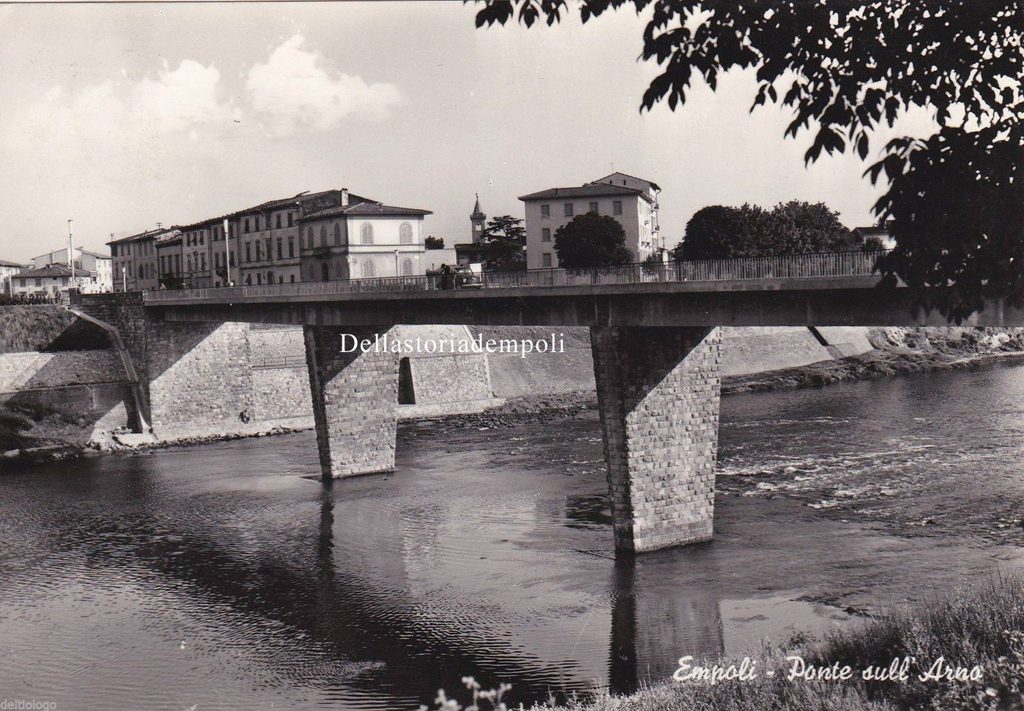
(170, 260)
(270, 244)
(264, 244)
(44, 281)
(362, 239)
(7, 270)
(95, 263)
(632, 201)
(879, 232)
(134, 261)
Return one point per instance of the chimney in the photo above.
(344, 197)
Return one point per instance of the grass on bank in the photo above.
(980, 626)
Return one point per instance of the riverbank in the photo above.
(897, 351)
(963, 652)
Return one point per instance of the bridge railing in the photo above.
(792, 266)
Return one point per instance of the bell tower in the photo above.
(478, 219)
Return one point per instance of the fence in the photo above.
(793, 266)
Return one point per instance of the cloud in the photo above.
(141, 119)
(293, 91)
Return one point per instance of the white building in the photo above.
(7, 270)
(96, 264)
(633, 202)
(362, 240)
(49, 280)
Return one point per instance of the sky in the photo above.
(124, 116)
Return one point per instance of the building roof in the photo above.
(51, 271)
(872, 231)
(269, 205)
(588, 190)
(148, 234)
(368, 209)
(5, 263)
(642, 180)
(98, 255)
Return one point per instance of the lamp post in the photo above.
(227, 255)
(396, 263)
(71, 254)
(124, 279)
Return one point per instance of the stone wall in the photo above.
(658, 390)
(280, 393)
(28, 371)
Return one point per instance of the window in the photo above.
(407, 267)
(593, 207)
(545, 234)
(337, 234)
(545, 211)
(216, 233)
(568, 209)
(277, 221)
(366, 236)
(259, 251)
(617, 207)
(248, 252)
(405, 233)
(291, 246)
(248, 279)
(546, 259)
(325, 271)
(270, 277)
(291, 277)
(323, 235)
(280, 247)
(202, 261)
(259, 279)
(309, 237)
(368, 270)
(246, 227)
(291, 218)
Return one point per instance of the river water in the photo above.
(226, 576)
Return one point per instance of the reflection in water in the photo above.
(220, 576)
(651, 630)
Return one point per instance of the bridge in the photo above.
(654, 339)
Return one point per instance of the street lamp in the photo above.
(71, 254)
(396, 263)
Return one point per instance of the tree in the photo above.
(846, 69)
(794, 227)
(591, 240)
(432, 242)
(504, 238)
(719, 232)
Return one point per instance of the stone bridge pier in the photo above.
(658, 394)
(355, 396)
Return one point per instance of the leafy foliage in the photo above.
(718, 232)
(591, 240)
(432, 242)
(845, 69)
(504, 238)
